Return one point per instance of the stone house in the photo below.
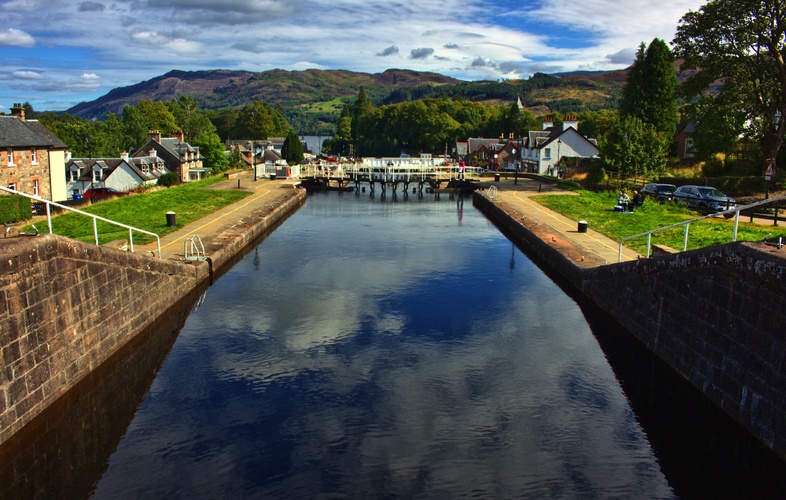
(179, 156)
(32, 159)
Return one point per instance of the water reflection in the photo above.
(388, 351)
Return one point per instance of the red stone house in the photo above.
(32, 159)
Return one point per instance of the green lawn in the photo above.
(146, 211)
(598, 210)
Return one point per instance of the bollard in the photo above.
(170, 219)
(540, 188)
(583, 226)
(238, 183)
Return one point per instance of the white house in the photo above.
(122, 174)
(543, 149)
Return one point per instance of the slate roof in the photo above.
(15, 133)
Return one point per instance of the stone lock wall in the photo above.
(65, 307)
(717, 316)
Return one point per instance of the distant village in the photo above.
(36, 162)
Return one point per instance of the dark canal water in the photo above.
(395, 348)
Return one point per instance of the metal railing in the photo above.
(96, 218)
(410, 172)
(687, 224)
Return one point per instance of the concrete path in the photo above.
(593, 247)
(209, 229)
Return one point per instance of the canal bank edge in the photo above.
(68, 306)
(715, 315)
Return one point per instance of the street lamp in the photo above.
(89, 162)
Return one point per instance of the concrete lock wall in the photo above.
(65, 307)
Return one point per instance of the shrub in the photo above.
(713, 167)
(595, 172)
(14, 209)
(168, 179)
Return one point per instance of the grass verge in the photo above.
(190, 202)
(598, 210)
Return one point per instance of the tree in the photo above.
(292, 150)
(635, 148)
(192, 122)
(650, 93)
(739, 52)
(211, 147)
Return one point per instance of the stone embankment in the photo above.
(66, 307)
(717, 315)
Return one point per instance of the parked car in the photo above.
(661, 192)
(100, 192)
(704, 199)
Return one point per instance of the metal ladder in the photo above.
(193, 249)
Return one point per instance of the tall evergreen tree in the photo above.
(292, 150)
(650, 93)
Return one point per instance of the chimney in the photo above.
(178, 135)
(18, 111)
(570, 121)
(152, 152)
(124, 156)
(547, 123)
(154, 135)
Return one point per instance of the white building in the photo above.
(543, 149)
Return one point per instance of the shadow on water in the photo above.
(702, 451)
(64, 451)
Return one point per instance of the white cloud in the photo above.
(27, 75)
(15, 38)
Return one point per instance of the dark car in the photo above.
(704, 199)
(101, 192)
(661, 192)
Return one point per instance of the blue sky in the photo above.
(57, 53)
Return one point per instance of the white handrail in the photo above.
(687, 224)
(94, 217)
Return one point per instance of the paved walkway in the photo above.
(595, 248)
(210, 228)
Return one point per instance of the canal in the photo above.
(387, 347)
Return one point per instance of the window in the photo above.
(35, 187)
(12, 185)
(74, 175)
(96, 175)
(34, 156)
(547, 153)
(145, 169)
(10, 157)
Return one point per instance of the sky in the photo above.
(58, 53)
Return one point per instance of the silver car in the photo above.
(704, 199)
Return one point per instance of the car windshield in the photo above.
(665, 189)
(711, 192)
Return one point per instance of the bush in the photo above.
(712, 167)
(595, 172)
(14, 209)
(168, 179)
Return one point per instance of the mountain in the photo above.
(312, 100)
(217, 89)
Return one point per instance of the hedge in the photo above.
(14, 209)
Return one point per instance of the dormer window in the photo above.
(74, 174)
(145, 169)
(96, 174)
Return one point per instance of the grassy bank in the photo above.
(147, 211)
(598, 210)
